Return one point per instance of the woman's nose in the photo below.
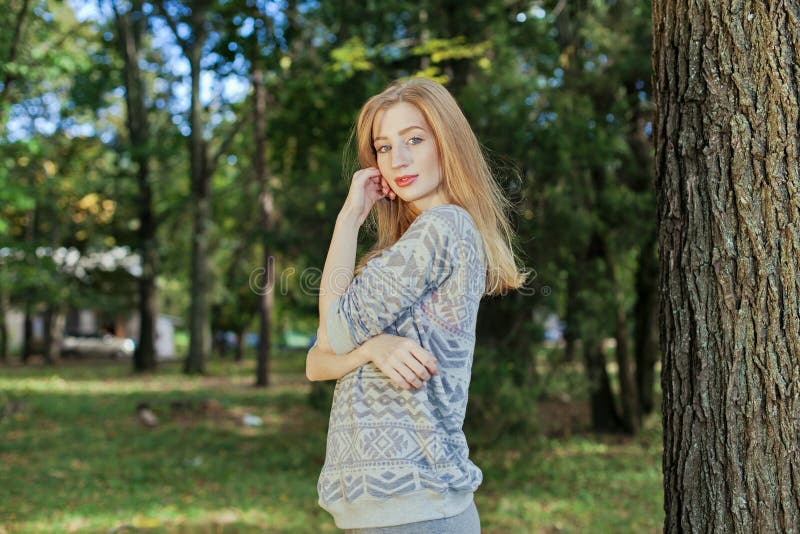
(401, 156)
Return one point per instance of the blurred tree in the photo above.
(11, 44)
(192, 27)
(12, 195)
(258, 45)
(550, 96)
(130, 24)
(558, 93)
(51, 171)
(727, 146)
(588, 184)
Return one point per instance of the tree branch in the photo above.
(12, 53)
(213, 160)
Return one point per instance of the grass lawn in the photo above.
(75, 458)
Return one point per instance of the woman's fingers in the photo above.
(397, 378)
(409, 376)
(407, 364)
(367, 173)
(418, 369)
(372, 178)
(386, 190)
(425, 358)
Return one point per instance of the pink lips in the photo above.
(403, 181)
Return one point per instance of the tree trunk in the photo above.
(645, 332)
(199, 328)
(30, 238)
(239, 354)
(266, 202)
(4, 306)
(629, 398)
(27, 333)
(48, 335)
(129, 27)
(55, 317)
(3, 335)
(11, 57)
(605, 417)
(728, 182)
(571, 327)
(601, 398)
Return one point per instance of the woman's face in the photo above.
(407, 155)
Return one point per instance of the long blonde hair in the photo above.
(466, 179)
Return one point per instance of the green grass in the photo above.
(76, 459)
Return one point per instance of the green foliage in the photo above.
(351, 57)
(557, 93)
(441, 50)
(320, 396)
(497, 406)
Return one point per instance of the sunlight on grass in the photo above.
(171, 518)
(81, 461)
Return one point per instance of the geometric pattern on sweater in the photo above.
(384, 441)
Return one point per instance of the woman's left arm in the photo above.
(324, 364)
(338, 270)
(366, 188)
(389, 284)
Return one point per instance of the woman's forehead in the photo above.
(397, 118)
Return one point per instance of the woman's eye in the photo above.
(415, 140)
(382, 149)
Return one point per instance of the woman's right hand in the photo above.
(366, 188)
(402, 360)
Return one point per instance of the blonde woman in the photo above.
(399, 336)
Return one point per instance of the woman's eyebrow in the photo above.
(401, 132)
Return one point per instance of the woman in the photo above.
(400, 335)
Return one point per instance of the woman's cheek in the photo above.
(384, 171)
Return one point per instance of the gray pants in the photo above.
(467, 522)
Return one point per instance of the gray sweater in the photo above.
(399, 456)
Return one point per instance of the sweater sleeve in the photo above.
(419, 261)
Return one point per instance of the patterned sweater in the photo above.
(399, 456)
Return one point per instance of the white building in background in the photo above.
(89, 322)
(165, 334)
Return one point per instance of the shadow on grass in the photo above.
(79, 460)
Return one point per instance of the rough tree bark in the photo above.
(728, 181)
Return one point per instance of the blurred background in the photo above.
(171, 172)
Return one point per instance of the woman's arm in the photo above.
(338, 270)
(327, 365)
(402, 360)
(424, 257)
(366, 188)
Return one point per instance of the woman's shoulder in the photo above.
(449, 212)
(453, 217)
